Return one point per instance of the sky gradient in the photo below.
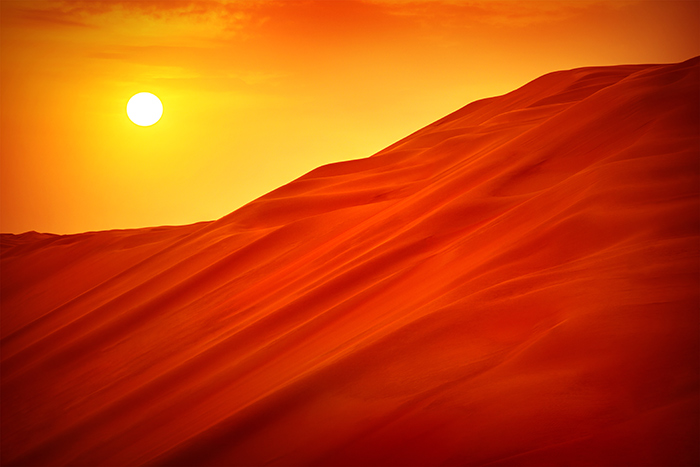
(258, 93)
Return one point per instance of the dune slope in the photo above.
(514, 284)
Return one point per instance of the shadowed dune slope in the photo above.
(514, 284)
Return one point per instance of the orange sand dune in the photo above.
(515, 284)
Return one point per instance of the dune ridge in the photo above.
(514, 284)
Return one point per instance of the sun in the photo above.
(144, 109)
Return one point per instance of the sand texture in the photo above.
(516, 284)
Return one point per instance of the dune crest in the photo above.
(514, 284)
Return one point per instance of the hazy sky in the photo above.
(256, 93)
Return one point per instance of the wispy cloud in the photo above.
(494, 12)
(87, 13)
(39, 14)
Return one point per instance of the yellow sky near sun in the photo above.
(257, 93)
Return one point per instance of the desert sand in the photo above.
(516, 284)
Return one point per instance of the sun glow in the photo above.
(144, 109)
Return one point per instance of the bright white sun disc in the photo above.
(144, 109)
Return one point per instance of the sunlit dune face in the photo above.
(144, 109)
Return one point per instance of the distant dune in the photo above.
(516, 284)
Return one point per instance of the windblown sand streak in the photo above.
(514, 284)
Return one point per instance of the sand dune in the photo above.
(514, 284)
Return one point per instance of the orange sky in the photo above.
(258, 93)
